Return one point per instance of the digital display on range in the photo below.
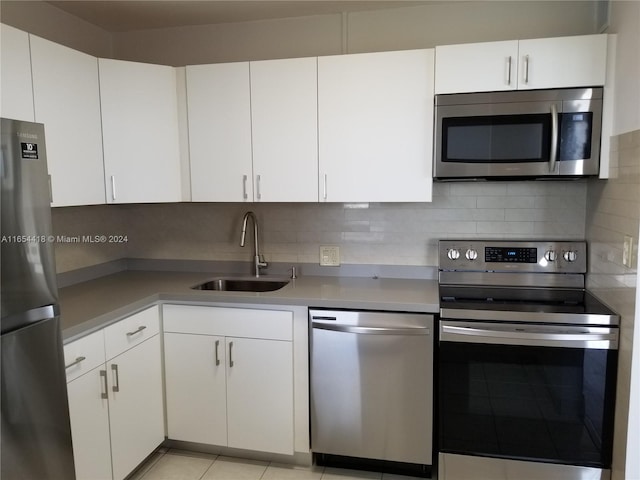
(511, 255)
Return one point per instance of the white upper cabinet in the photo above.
(284, 116)
(67, 100)
(562, 62)
(375, 115)
(219, 111)
(476, 67)
(140, 132)
(16, 99)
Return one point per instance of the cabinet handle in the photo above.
(324, 191)
(75, 362)
(140, 328)
(509, 70)
(116, 380)
(217, 357)
(231, 354)
(103, 376)
(258, 194)
(526, 69)
(244, 187)
(113, 187)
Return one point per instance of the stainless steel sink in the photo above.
(242, 285)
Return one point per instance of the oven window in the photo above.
(496, 139)
(528, 403)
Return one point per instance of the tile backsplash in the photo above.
(385, 234)
(613, 212)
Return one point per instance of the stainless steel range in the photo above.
(527, 363)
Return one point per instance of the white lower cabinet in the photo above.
(115, 396)
(229, 377)
(89, 414)
(196, 363)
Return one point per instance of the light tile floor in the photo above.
(171, 464)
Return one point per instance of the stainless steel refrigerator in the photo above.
(36, 434)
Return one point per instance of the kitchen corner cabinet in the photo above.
(562, 62)
(229, 377)
(115, 396)
(67, 100)
(140, 132)
(219, 112)
(375, 114)
(16, 96)
(284, 125)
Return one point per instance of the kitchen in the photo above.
(373, 239)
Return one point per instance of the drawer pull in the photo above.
(140, 328)
(75, 362)
(103, 376)
(116, 380)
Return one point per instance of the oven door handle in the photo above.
(572, 337)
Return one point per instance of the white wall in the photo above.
(613, 211)
(625, 23)
(46, 21)
(378, 30)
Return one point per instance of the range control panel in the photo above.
(513, 255)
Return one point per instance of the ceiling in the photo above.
(125, 15)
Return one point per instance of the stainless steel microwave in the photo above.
(520, 134)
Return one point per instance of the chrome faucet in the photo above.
(258, 260)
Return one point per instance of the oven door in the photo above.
(541, 393)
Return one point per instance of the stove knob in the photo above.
(570, 256)
(550, 256)
(471, 254)
(453, 254)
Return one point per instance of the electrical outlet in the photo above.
(627, 251)
(329, 256)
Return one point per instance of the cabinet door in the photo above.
(284, 102)
(375, 115)
(260, 394)
(140, 132)
(195, 384)
(476, 67)
(578, 61)
(16, 97)
(67, 101)
(136, 408)
(219, 110)
(89, 415)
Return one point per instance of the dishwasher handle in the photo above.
(372, 330)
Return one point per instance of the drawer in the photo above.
(84, 355)
(131, 331)
(229, 322)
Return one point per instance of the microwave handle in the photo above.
(554, 138)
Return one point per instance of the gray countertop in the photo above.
(91, 305)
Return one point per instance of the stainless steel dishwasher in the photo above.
(372, 390)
